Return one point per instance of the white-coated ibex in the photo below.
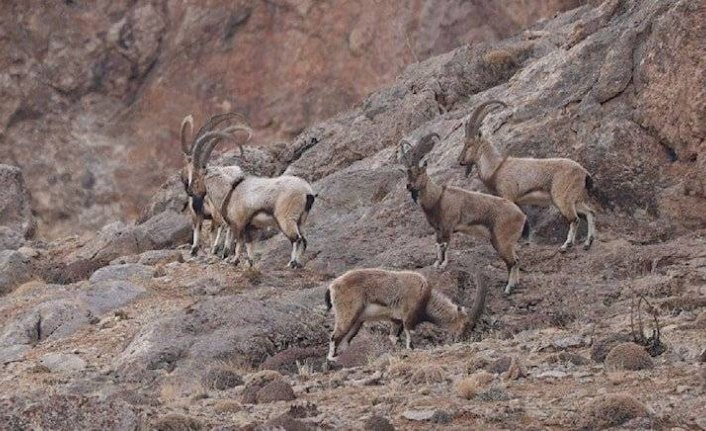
(250, 202)
(452, 209)
(403, 297)
(558, 181)
(194, 171)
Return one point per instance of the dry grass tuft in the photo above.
(399, 368)
(470, 386)
(609, 411)
(628, 356)
(221, 377)
(428, 374)
(499, 58)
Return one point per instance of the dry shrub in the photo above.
(378, 423)
(470, 386)
(303, 410)
(495, 393)
(428, 374)
(515, 370)
(255, 382)
(499, 58)
(276, 390)
(482, 363)
(176, 422)
(399, 368)
(221, 377)
(609, 411)
(628, 356)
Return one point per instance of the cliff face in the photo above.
(93, 92)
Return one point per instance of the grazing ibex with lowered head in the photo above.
(251, 202)
(452, 209)
(403, 297)
(193, 173)
(558, 181)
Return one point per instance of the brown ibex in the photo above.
(403, 297)
(452, 209)
(558, 181)
(251, 202)
(193, 173)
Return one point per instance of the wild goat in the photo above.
(452, 209)
(403, 297)
(249, 203)
(558, 181)
(193, 173)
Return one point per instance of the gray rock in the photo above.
(15, 211)
(10, 239)
(48, 320)
(14, 270)
(569, 342)
(13, 353)
(126, 272)
(155, 257)
(113, 240)
(60, 362)
(418, 415)
(107, 295)
(167, 229)
(222, 328)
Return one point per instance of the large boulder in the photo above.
(16, 219)
(14, 270)
(226, 328)
(166, 229)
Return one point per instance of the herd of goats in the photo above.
(239, 204)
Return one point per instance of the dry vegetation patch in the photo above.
(469, 387)
(628, 356)
(610, 410)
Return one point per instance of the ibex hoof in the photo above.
(194, 252)
(587, 244)
(294, 264)
(564, 248)
(508, 290)
(235, 262)
(332, 358)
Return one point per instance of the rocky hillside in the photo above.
(93, 91)
(126, 331)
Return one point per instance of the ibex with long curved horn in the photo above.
(558, 181)
(250, 202)
(452, 209)
(194, 175)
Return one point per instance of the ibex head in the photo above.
(197, 153)
(473, 139)
(411, 156)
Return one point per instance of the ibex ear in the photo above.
(425, 164)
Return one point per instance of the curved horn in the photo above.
(226, 133)
(474, 122)
(187, 121)
(206, 141)
(423, 147)
(215, 121)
